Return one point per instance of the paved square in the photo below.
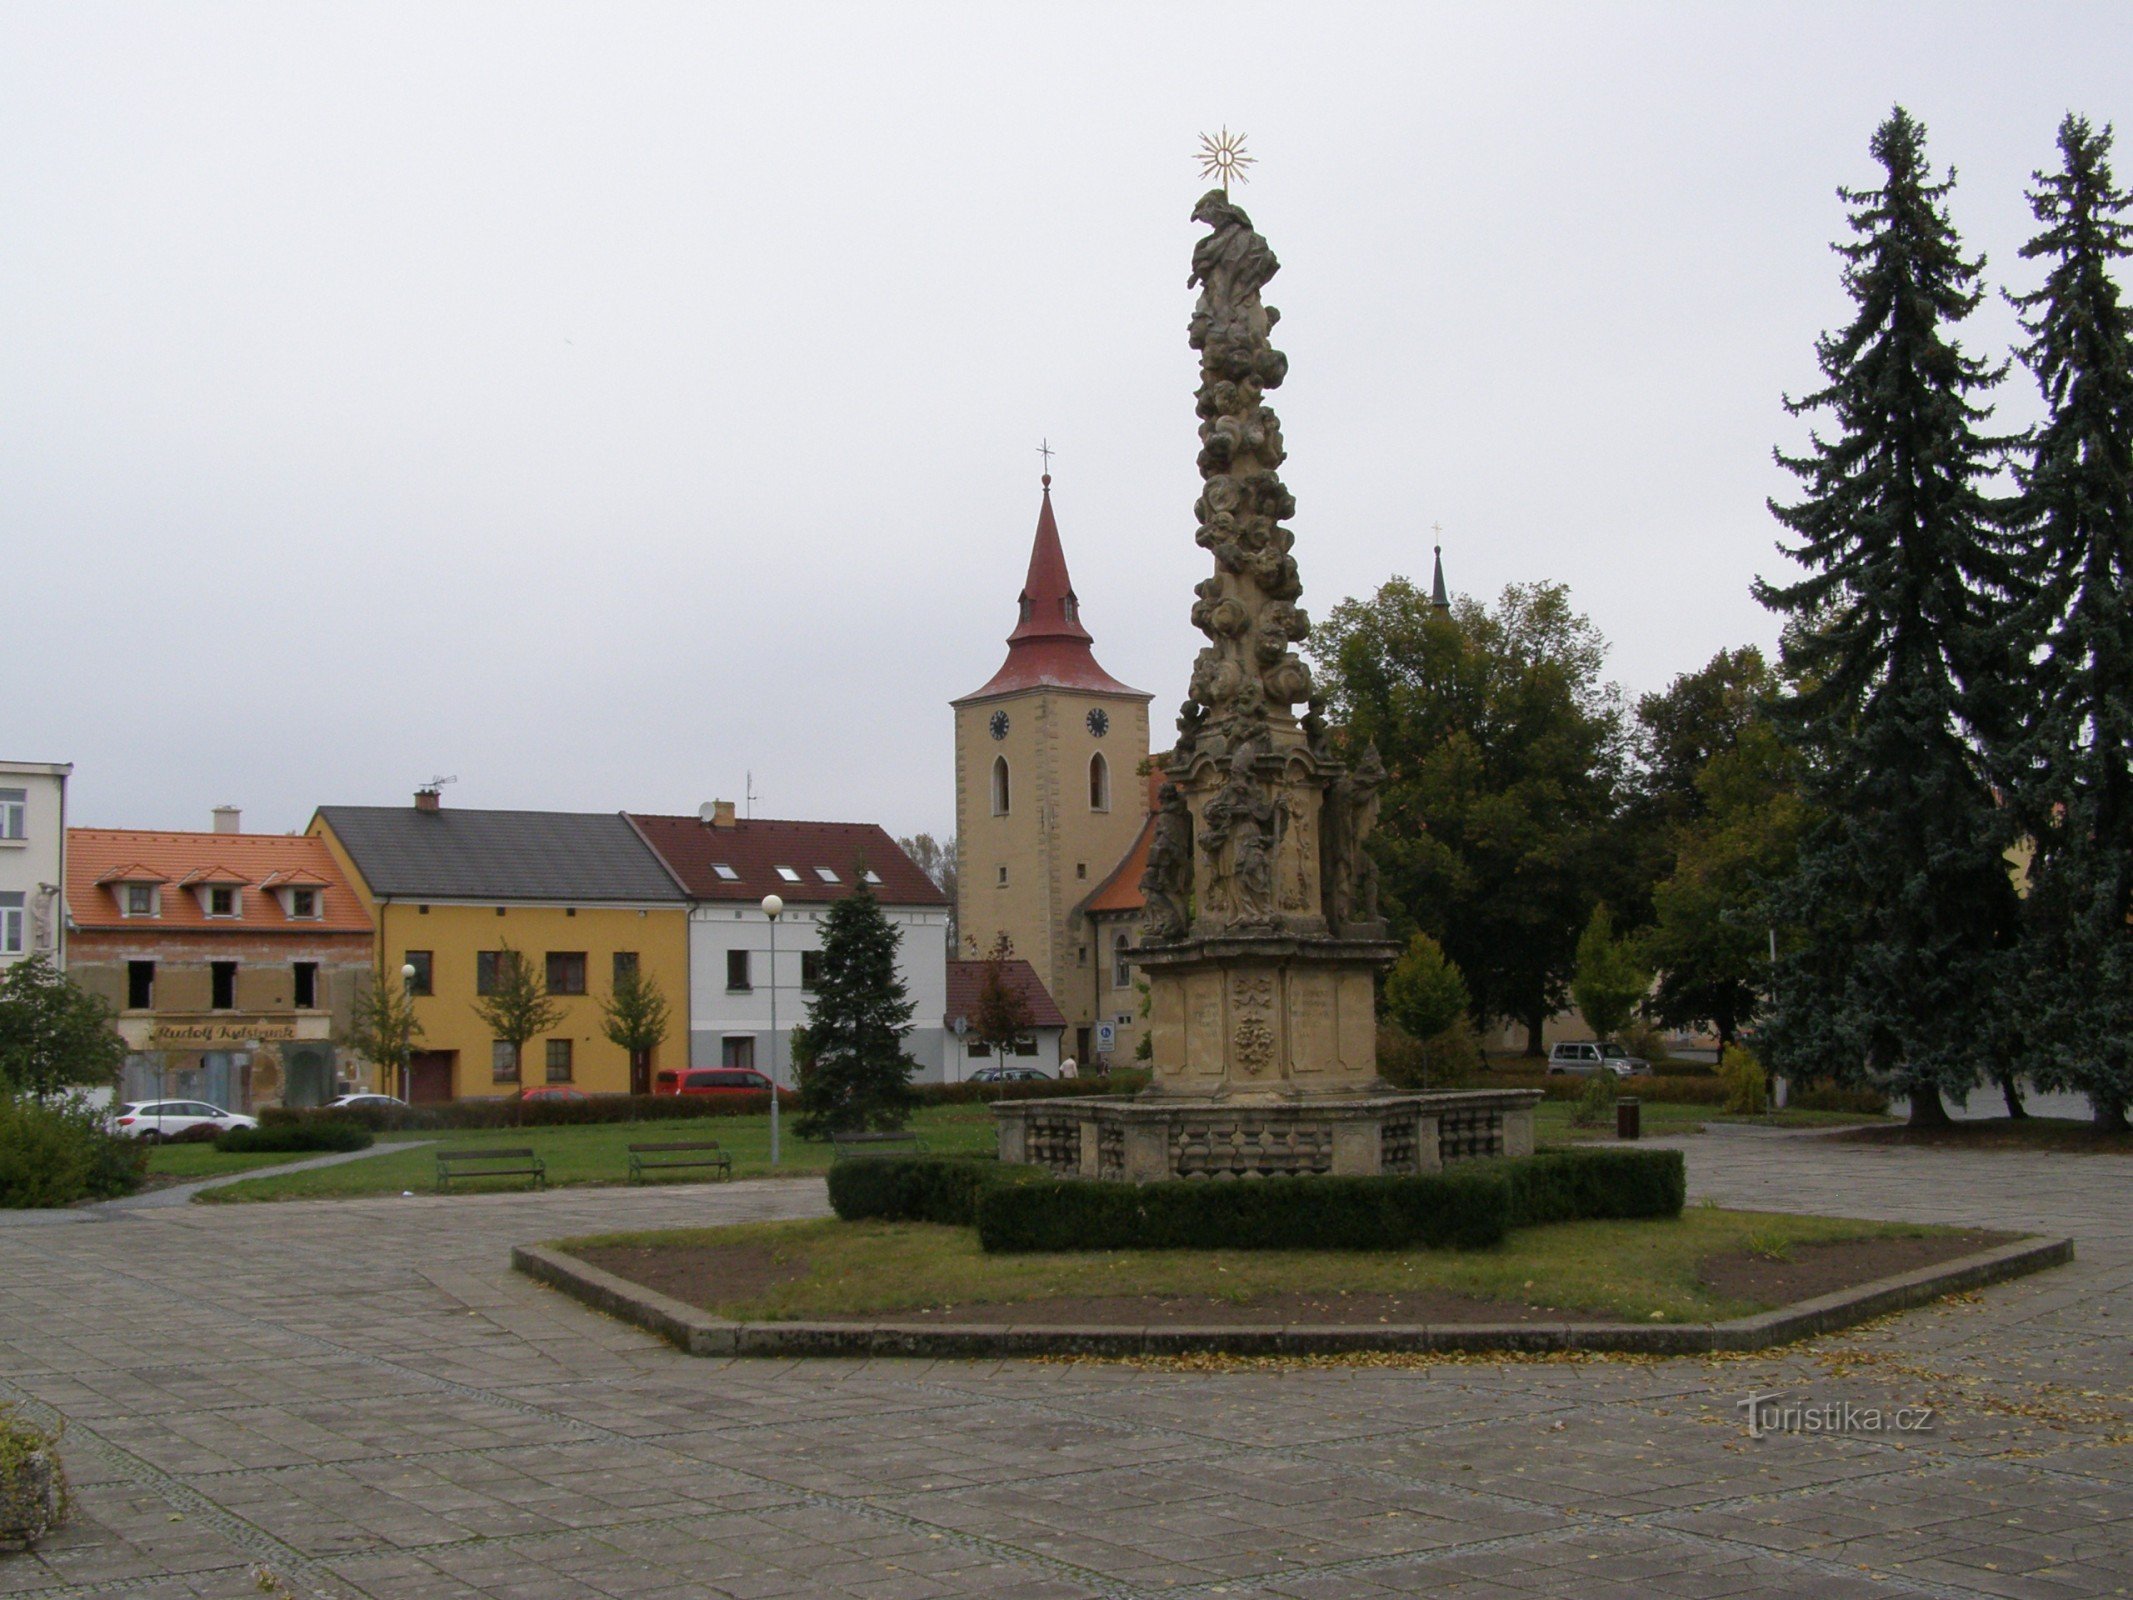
(361, 1399)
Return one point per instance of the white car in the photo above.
(379, 1102)
(1590, 1057)
(174, 1119)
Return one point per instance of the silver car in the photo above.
(1588, 1057)
(155, 1120)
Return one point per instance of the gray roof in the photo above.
(554, 856)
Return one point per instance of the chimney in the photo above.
(426, 800)
(722, 813)
(228, 819)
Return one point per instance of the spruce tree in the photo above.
(2072, 772)
(857, 1074)
(1900, 896)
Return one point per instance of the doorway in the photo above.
(307, 1074)
(429, 1077)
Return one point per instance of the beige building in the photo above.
(1049, 792)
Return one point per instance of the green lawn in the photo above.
(589, 1155)
(1641, 1271)
(190, 1161)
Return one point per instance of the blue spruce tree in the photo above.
(1901, 903)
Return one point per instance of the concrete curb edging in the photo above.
(699, 1333)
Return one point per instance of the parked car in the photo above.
(158, 1120)
(375, 1102)
(1588, 1057)
(551, 1091)
(1010, 1075)
(712, 1080)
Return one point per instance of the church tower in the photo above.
(1048, 792)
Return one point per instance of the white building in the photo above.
(33, 860)
(726, 865)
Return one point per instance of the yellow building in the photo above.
(579, 894)
(1048, 791)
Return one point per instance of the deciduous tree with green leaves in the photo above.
(858, 1075)
(1003, 1015)
(54, 1034)
(634, 1016)
(382, 1025)
(1899, 886)
(1609, 980)
(1505, 757)
(1424, 992)
(518, 1007)
(2070, 767)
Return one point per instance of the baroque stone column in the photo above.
(1263, 931)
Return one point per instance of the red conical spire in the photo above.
(1050, 609)
(1049, 646)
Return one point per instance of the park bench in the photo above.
(663, 1157)
(852, 1145)
(512, 1163)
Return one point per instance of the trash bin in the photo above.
(1629, 1118)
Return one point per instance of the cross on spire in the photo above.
(1044, 449)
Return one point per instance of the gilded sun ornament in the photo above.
(1222, 158)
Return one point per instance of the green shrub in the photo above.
(913, 1188)
(55, 1152)
(1643, 1040)
(1747, 1086)
(1573, 1185)
(338, 1133)
(1596, 1105)
(1465, 1209)
(1828, 1097)
(502, 1112)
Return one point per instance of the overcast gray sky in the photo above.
(599, 402)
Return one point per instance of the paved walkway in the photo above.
(361, 1399)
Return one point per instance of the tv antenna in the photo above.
(439, 783)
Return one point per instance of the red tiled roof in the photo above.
(966, 981)
(99, 860)
(1121, 888)
(1050, 647)
(754, 848)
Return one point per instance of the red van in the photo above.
(711, 1080)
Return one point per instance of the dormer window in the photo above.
(221, 902)
(140, 899)
(303, 903)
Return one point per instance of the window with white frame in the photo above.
(140, 899)
(14, 813)
(303, 904)
(221, 902)
(789, 874)
(10, 923)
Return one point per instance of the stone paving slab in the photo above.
(362, 1397)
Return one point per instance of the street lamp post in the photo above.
(773, 906)
(407, 1035)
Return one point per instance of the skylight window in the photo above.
(827, 876)
(788, 875)
(725, 873)
(871, 875)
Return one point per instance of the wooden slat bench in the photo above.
(663, 1157)
(514, 1163)
(853, 1145)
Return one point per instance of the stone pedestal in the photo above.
(1149, 1138)
(1266, 1017)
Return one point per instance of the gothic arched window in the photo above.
(1000, 794)
(1099, 783)
(1121, 963)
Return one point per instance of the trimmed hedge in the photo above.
(503, 1112)
(1575, 1185)
(1467, 1207)
(916, 1188)
(338, 1134)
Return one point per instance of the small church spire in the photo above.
(1438, 599)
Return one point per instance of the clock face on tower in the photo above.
(1099, 722)
(999, 724)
